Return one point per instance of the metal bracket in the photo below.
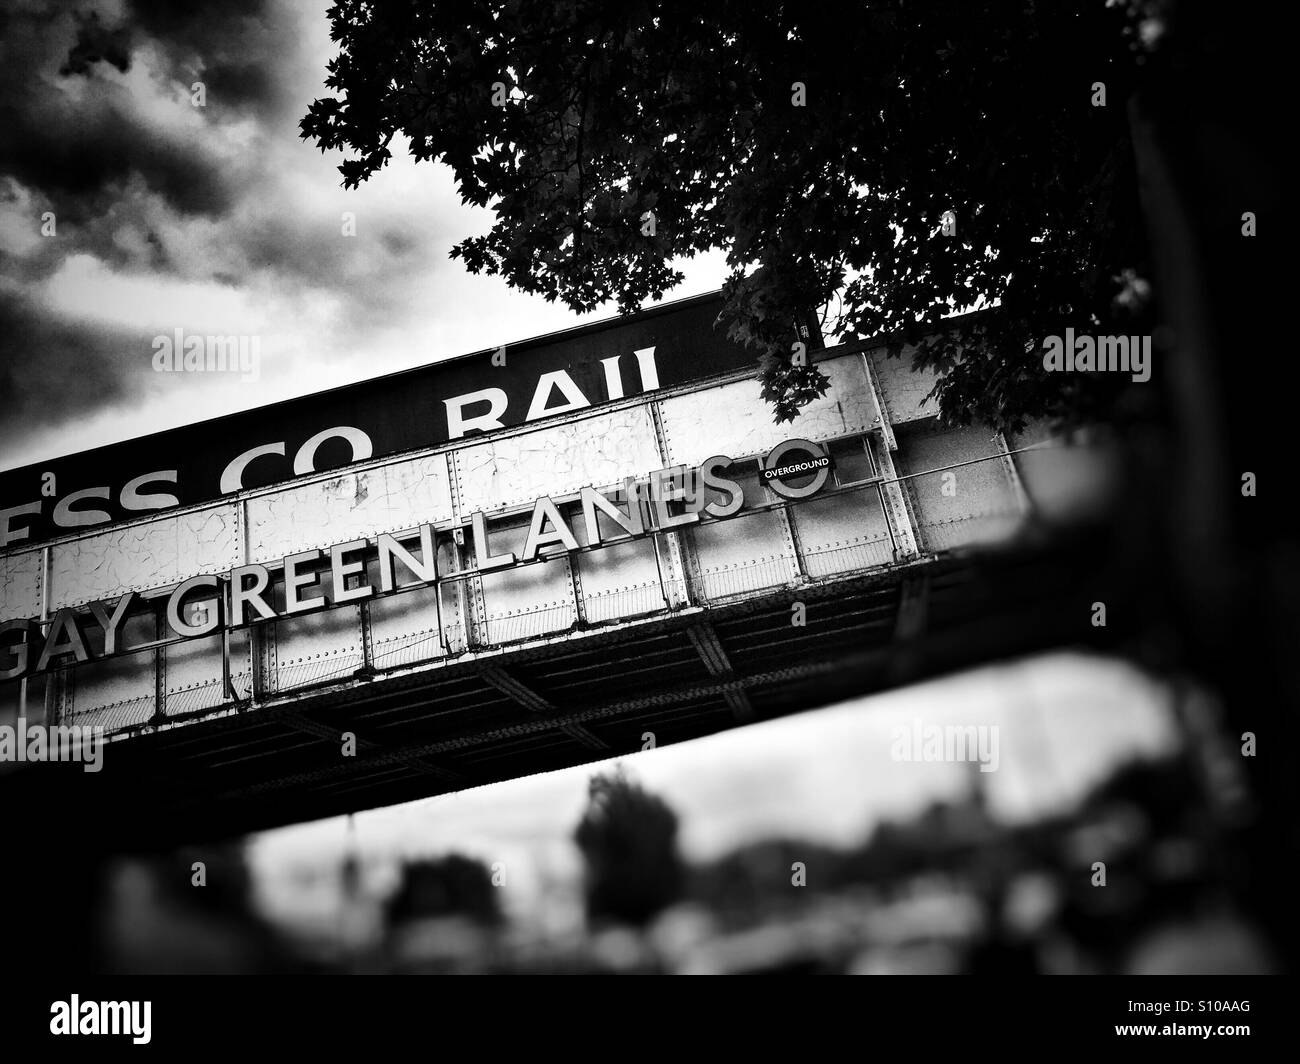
(882, 411)
(1017, 485)
(160, 665)
(898, 511)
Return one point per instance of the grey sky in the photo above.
(216, 219)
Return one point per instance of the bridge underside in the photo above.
(581, 698)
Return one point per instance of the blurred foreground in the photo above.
(1139, 872)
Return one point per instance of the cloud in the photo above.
(96, 43)
(57, 367)
(102, 133)
(165, 214)
(71, 96)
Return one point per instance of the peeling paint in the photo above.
(695, 430)
(137, 557)
(395, 496)
(599, 451)
(902, 388)
(20, 585)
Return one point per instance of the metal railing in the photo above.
(869, 552)
(115, 716)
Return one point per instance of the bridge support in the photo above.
(705, 641)
(530, 699)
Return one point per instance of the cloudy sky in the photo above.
(214, 219)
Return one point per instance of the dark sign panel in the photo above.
(463, 397)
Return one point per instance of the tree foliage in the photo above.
(628, 838)
(571, 120)
(452, 885)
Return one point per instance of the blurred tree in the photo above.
(908, 160)
(628, 838)
(227, 879)
(191, 911)
(445, 886)
(754, 880)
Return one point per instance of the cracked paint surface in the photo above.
(350, 506)
(598, 451)
(736, 421)
(902, 389)
(140, 557)
(980, 505)
(20, 585)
